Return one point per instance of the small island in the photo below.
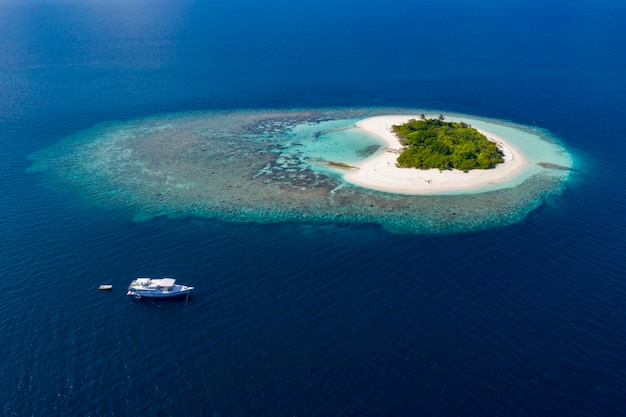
(270, 166)
(435, 143)
(431, 173)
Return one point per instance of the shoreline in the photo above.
(379, 172)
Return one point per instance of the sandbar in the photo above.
(379, 172)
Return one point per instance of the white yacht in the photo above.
(157, 288)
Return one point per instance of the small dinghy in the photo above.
(105, 287)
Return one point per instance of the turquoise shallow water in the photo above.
(338, 141)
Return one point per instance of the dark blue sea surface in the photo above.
(313, 319)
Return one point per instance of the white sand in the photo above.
(381, 173)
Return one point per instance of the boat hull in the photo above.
(157, 294)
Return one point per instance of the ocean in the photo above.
(305, 315)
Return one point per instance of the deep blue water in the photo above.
(313, 319)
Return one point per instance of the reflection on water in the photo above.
(271, 166)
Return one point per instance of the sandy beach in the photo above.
(381, 173)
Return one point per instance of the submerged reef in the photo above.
(272, 166)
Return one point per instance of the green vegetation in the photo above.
(435, 143)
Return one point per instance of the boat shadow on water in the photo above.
(173, 299)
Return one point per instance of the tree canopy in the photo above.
(435, 143)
